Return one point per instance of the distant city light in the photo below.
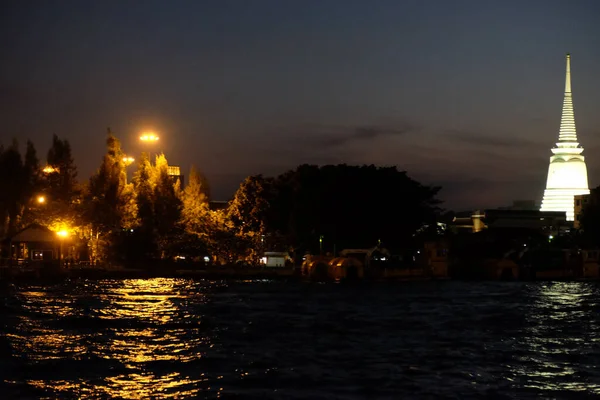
(148, 137)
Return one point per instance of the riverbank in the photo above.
(10, 274)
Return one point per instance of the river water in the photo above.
(181, 338)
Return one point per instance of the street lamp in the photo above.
(48, 169)
(62, 234)
(128, 160)
(41, 199)
(149, 137)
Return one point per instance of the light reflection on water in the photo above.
(177, 338)
(561, 327)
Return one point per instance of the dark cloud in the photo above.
(334, 136)
(480, 139)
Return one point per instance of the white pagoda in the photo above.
(567, 173)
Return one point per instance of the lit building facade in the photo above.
(567, 173)
(175, 174)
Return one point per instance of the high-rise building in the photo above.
(567, 173)
(175, 174)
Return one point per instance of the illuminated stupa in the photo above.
(567, 173)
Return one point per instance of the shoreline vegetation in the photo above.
(332, 222)
(157, 217)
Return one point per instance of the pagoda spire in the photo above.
(567, 122)
(567, 172)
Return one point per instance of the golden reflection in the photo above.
(133, 324)
(143, 386)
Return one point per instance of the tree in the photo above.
(167, 202)
(349, 206)
(195, 207)
(105, 195)
(33, 177)
(109, 198)
(62, 183)
(34, 187)
(144, 194)
(13, 188)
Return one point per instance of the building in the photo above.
(175, 173)
(275, 259)
(567, 173)
(581, 201)
(33, 244)
(548, 222)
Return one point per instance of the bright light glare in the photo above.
(41, 199)
(128, 160)
(48, 169)
(62, 233)
(148, 137)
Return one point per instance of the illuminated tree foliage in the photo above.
(195, 209)
(106, 195)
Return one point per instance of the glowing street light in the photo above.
(63, 233)
(41, 199)
(149, 137)
(128, 160)
(49, 169)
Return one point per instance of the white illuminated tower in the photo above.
(567, 173)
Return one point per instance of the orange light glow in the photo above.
(63, 233)
(149, 137)
(41, 199)
(128, 160)
(49, 169)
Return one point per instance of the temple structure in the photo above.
(567, 173)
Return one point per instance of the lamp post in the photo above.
(63, 234)
(127, 160)
(149, 138)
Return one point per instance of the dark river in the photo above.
(180, 338)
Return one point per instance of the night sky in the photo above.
(463, 94)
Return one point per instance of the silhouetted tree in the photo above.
(350, 206)
(62, 184)
(14, 187)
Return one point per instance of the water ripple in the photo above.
(178, 338)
